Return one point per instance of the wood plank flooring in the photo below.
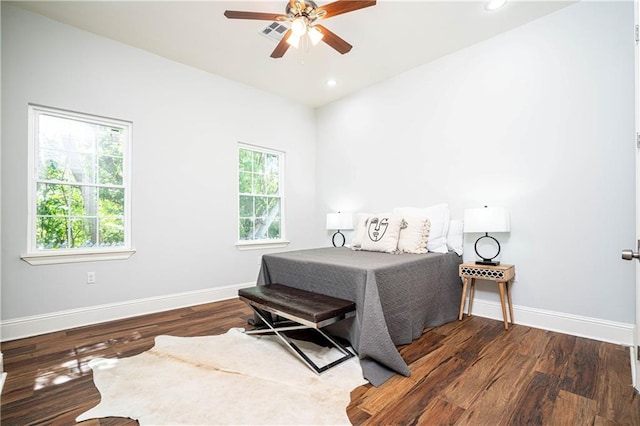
(469, 372)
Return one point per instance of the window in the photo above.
(260, 196)
(79, 186)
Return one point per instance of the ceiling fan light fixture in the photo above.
(315, 35)
(299, 26)
(294, 40)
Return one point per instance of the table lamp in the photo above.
(339, 221)
(485, 220)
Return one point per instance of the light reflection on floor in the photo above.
(78, 366)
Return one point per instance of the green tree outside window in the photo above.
(80, 191)
(260, 194)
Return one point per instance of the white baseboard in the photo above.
(39, 324)
(591, 328)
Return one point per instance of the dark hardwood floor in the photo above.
(469, 372)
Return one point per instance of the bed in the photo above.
(396, 296)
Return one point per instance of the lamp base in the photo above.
(333, 240)
(487, 262)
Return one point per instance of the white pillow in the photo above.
(439, 217)
(414, 236)
(360, 230)
(455, 236)
(382, 233)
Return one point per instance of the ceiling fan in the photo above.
(302, 16)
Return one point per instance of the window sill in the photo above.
(74, 257)
(256, 245)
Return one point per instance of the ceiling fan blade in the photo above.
(282, 47)
(343, 6)
(236, 14)
(333, 40)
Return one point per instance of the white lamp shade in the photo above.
(294, 40)
(299, 26)
(487, 219)
(339, 221)
(315, 35)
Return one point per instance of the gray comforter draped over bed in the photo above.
(396, 296)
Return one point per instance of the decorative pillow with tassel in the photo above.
(439, 217)
(414, 236)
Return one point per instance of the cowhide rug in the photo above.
(227, 379)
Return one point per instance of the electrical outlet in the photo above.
(91, 277)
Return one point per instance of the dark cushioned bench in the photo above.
(302, 309)
(314, 308)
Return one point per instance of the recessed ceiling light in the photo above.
(331, 83)
(492, 5)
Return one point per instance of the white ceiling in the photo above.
(388, 38)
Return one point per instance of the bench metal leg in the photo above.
(273, 327)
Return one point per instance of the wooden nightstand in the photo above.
(501, 274)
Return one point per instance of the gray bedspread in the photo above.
(396, 297)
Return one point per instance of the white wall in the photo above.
(540, 120)
(186, 127)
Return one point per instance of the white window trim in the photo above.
(51, 258)
(262, 244)
(48, 257)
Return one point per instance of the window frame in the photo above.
(36, 256)
(262, 243)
